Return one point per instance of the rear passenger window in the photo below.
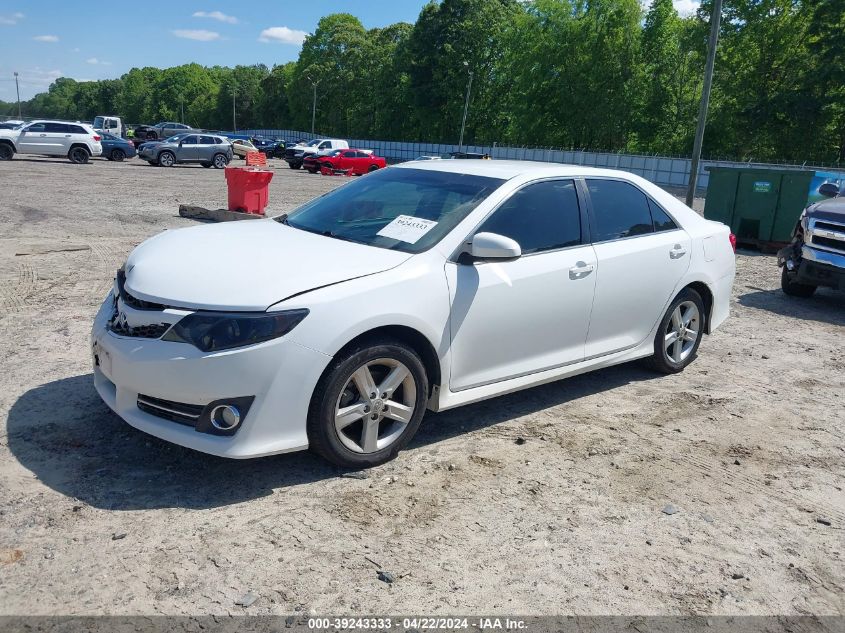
(206, 140)
(540, 217)
(57, 128)
(620, 210)
(661, 219)
(76, 129)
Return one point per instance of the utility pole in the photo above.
(234, 122)
(466, 107)
(182, 108)
(715, 19)
(314, 102)
(18, 90)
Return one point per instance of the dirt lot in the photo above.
(549, 501)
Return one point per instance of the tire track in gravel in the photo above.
(732, 479)
(14, 295)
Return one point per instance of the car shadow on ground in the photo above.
(825, 306)
(65, 435)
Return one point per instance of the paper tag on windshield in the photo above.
(407, 228)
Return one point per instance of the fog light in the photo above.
(790, 265)
(225, 417)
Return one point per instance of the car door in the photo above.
(521, 316)
(206, 148)
(33, 139)
(188, 151)
(642, 255)
(346, 160)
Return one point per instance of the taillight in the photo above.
(732, 239)
(97, 138)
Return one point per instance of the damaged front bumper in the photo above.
(812, 266)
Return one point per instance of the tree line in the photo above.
(594, 74)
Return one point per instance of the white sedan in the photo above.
(424, 286)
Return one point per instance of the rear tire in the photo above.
(6, 151)
(78, 155)
(356, 439)
(679, 333)
(794, 289)
(166, 159)
(220, 161)
(372, 168)
(118, 155)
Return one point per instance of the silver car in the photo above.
(205, 149)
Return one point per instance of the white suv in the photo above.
(77, 141)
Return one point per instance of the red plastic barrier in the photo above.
(248, 189)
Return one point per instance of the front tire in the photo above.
(294, 165)
(679, 334)
(166, 159)
(794, 289)
(368, 404)
(6, 151)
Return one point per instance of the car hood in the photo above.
(832, 209)
(246, 265)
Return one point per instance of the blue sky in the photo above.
(89, 39)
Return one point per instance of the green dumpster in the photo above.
(760, 205)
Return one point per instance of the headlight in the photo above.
(214, 331)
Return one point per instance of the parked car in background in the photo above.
(110, 124)
(264, 145)
(428, 158)
(356, 160)
(77, 141)
(296, 154)
(206, 149)
(11, 125)
(241, 147)
(816, 255)
(116, 148)
(423, 286)
(161, 130)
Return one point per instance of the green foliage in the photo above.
(598, 74)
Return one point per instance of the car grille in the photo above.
(121, 328)
(167, 409)
(156, 330)
(829, 235)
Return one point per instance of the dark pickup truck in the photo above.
(816, 255)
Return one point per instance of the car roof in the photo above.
(507, 169)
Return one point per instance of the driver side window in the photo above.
(540, 217)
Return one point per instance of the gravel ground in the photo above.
(548, 501)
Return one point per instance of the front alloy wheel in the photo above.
(368, 404)
(166, 159)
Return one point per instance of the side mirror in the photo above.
(829, 190)
(494, 246)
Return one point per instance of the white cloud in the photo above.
(217, 15)
(283, 35)
(14, 18)
(200, 35)
(46, 38)
(97, 62)
(74, 50)
(686, 7)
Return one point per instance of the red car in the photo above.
(359, 161)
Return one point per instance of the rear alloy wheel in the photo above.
(220, 161)
(794, 289)
(118, 155)
(368, 404)
(166, 159)
(6, 151)
(78, 155)
(679, 334)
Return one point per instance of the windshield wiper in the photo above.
(282, 219)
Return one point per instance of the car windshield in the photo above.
(402, 209)
(175, 138)
(316, 141)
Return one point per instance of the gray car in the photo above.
(205, 149)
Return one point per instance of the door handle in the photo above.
(42, 135)
(677, 251)
(67, 135)
(580, 270)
